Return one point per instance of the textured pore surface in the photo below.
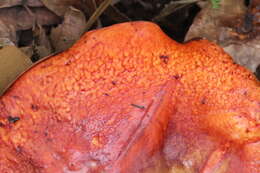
(127, 98)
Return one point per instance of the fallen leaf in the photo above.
(40, 45)
(69, 31)
(246, 53)
(60, 7)
(209, 20)
(11, 3)
(21, 19)
(42, 42)
(18, 18)
(27, 50)
(7, 34)
(221, 25)
(12, 63)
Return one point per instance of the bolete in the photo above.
(128, 99)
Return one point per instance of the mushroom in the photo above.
(127, 98)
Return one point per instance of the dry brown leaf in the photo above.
(7, 34)
(36, 52)
(246, 53)
(18, 18)
(40, 47)
(21, 19)
(209, 22)
(60, 7)
(69, 31)
(221, 25)
(27, 50)
(12, 63)
(42, 43)
(11, 3)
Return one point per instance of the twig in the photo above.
(97, 13)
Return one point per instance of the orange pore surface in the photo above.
(123, 94)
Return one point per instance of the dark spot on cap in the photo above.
(106, 94)
(1, 124)
(164, 58)
(13, 119)
(15, 97)
(225, 62)
(49, 140)
(176, 77)
(18, 149)
(113, 82)
(203, 101)
(34, 107)
(68, 62)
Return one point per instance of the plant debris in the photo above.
(11, 58)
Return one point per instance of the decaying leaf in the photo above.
(11, 58)
(21, 19)
(221, 25)
(27, 50)
(11, 3)
(42, 43)
(60, 7)
(69, 31)
(7, 34)
(18, 18)
(246, 53)
(209, 21)
(40, 47)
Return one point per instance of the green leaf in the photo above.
(215, 3)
